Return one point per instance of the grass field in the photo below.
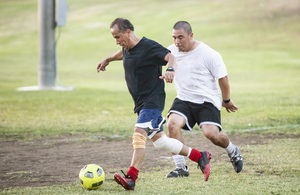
(259, 41)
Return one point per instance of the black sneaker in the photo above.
(179, 172)
(125, 181)
(204, 165)
(236, 160)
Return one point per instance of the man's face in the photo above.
(182, 39)
(122, 38)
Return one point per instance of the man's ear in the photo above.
(192, 35)
(128, 31)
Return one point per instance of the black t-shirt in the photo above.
(143, 66)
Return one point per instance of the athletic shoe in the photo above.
(204, 165)
(236, 160)
(125, 181)
(179, 172)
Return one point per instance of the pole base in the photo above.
(40, 88)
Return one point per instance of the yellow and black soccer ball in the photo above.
(91, 176)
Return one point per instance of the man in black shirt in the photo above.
(142, 61)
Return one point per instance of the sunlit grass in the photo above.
(259, 41)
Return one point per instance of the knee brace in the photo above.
(169, 144)
(138, 141)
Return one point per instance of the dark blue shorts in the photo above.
(151, 121)
(193, 113)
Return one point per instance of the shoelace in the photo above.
(125, 175)
(176, 170)
(236, 158)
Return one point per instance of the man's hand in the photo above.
(102, 65)
(168, 76)
(230, 107)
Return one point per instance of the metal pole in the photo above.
(47, 50)
(47, 53)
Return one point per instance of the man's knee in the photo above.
(168, 144)
(174, 128)
(174, 132)
(211, 132)
(139, 139)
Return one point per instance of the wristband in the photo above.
(226, 101)
(170, 69)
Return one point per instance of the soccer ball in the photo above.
(91, 176)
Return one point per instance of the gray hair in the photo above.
(123, 24)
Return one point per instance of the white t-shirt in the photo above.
(197, 73)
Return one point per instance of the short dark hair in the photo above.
(123, 24)
(183, 25)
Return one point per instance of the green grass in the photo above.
(259, 41)
(269, 169)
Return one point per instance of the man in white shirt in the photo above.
(199, 71)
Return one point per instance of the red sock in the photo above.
(195, 155)
(133, 173)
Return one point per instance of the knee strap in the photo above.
(138, 141)
(169, 144)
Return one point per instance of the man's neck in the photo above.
(134, 41)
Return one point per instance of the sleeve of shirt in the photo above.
(218, 67)
(160, 52)
(171, 48)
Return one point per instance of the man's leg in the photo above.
(161, 141)
(219, 138)
(127, 181)
(175, 123)
(139, 139)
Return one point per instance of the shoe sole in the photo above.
(206, 171)
(121, 181)
(171, 176)
(238, 166)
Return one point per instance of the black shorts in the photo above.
(193, 113)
